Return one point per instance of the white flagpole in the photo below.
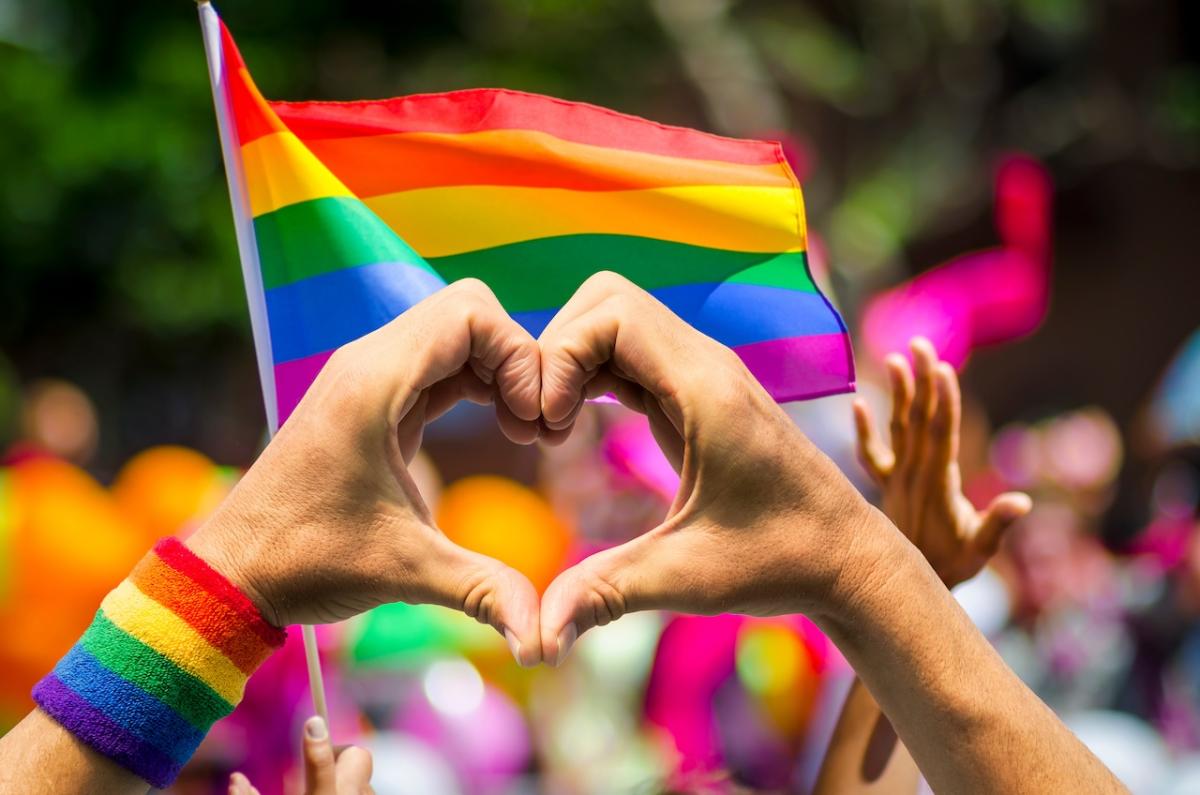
(210, 26)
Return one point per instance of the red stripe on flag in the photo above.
(476, 110)
(252, 116)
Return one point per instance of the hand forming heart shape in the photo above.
(328, 523)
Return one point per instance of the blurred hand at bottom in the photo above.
(345, 771)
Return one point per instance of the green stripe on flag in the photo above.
(538, 274)
(324, 235)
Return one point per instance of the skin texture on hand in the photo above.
(328, 523)
(764, 524)
(762, 521)
(921, 486)
(327, 770)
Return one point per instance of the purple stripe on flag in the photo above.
(798, 368)
(793, 368)
(292, 380)
(96, 729)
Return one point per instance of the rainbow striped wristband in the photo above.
(167, 655)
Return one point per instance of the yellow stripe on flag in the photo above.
(439, 222)
(281, 171)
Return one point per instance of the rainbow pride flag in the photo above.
(348, 213)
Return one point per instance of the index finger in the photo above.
(612, 321)
(460, 326)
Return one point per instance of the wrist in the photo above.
(167, 655)
(223, 544)
(876, 555)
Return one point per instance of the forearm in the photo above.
(39, 755)
(969, 722)
(864, 755)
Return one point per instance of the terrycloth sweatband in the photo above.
(167, 655)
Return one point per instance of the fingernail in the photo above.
(566, 639)
(514, 646)
(315, 728)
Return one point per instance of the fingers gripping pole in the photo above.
(210, 27)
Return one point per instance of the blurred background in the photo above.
(1017, 179)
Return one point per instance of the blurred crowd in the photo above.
(1107, 633)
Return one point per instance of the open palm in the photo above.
(919, 475)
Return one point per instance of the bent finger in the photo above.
(628, 327)
(462, 325)
(488, 591)
(649, 572)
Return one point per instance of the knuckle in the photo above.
(939, 426)
(471, 286)
(470, 296)
(320, 754)
(608, 281)
(622, 306)
(346, 374)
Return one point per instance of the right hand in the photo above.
(919, 474)
(327, 771)
(328, 523)
(763, 522)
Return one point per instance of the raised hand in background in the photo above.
(918, 475)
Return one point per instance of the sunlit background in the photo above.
(1017, 179)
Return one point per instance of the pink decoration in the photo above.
(981, 298)
(696, 656)
(633, 452)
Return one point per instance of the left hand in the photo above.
(329, 523)
(919, 474)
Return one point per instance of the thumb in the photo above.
(596, 591)
(354, 766)
(998, 517)
(492, 593)
(320, 772)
